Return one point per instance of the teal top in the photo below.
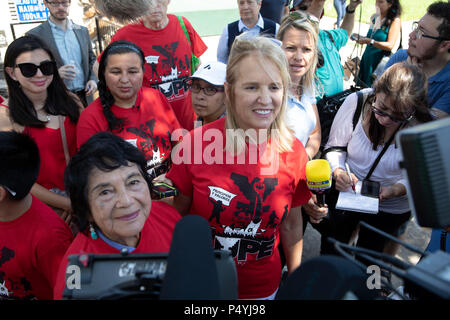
(372, 56)
(331, 73)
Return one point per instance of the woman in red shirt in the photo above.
(110, 190)
(140, 115)
(245, 173)
(39, 103)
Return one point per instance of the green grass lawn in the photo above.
(411, 9)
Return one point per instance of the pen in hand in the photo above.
(350, 177)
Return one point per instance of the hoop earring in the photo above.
(94, 235)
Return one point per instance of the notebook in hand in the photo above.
(352, 201)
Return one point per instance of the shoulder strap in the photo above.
(356, 116)
(359, 105)
(63, 138)
(186, 33)
(386, 146)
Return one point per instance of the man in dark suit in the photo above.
(274, 9)
(72, 48)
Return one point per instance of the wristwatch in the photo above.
(372, 42)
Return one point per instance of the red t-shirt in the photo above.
(51, 151)
(156, 236)
(148, 127)
(168, 61)
(244, 207)
(31, 249)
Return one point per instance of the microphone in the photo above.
(318, 178)
(191, 267)
(124, 11)
(326, 278)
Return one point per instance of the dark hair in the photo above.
(106, 152)
(407, 86)
(394, 11)
(441, 10)
(59, 100)
(19, 163)
(106, 98)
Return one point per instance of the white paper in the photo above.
(356, 202)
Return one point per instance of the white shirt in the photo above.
(222, 49)
(360, 156)
(301, 117)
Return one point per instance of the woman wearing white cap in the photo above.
(208, 97)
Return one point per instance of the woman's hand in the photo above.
(363, 40)
(343, 181)
(316, 213)
(392, 191)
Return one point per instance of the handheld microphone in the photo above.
(318, 178)
(124, 11)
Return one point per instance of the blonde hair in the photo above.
(261, 49)
(301, 21)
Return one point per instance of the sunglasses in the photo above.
(393, 119)
(301, 16)
(30, 69)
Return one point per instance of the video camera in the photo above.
(191, 270)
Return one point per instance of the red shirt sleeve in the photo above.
(92, 120)
(197, 44)
(180, 173)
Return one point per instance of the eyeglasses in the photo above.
(420, 34)
(13, 193)
(55, 4)
(299, 16)
(209, 91)
(384, 114)
(30, 69)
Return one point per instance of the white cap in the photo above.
(212, 72)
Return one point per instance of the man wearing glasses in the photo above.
(72, 48)
(429, 47)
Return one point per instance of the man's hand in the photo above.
(91, 87)
(67, 72)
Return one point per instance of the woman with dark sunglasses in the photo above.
(398, 100)
(39, 103)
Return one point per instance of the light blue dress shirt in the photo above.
(222, 49)
(114, 244)
(70, 52)
(301, 117)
